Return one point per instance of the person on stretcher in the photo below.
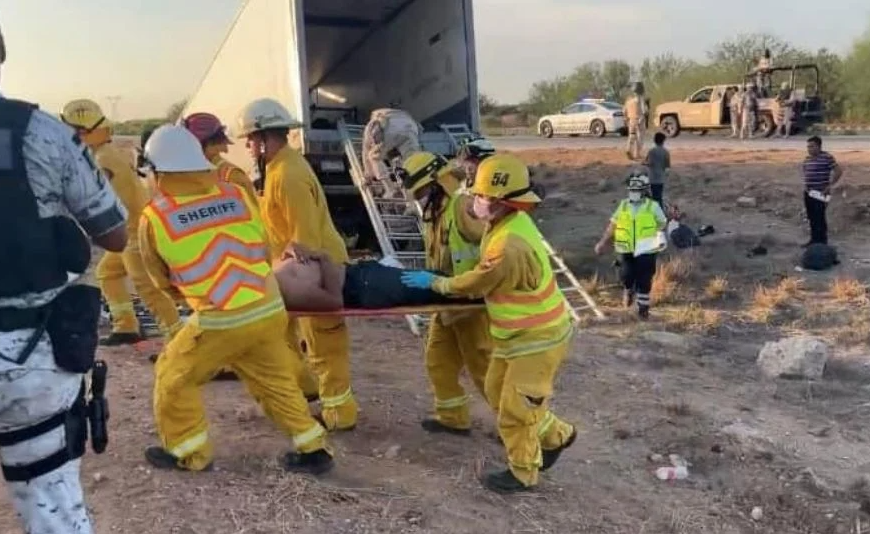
(309, 281)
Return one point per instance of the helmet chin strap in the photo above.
(261, 164)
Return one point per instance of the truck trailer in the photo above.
(331, 63)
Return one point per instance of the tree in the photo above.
(487, 104)
(856, 80)
(615, 76)
(175, 110)
(744, 50)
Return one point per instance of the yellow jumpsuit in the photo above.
(520, 380)
(456, 340)
(294, 210)
(254, 348)
(114, 267)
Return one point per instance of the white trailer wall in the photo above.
(259, 58)
(422, 61)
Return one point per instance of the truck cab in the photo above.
(333, 61)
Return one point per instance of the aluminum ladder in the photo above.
(459, 134)
(570, 286)
(396, 221)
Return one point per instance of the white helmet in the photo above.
(637, 181)
(264, 114)
(172, 148)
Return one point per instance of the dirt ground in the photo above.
(685, 383)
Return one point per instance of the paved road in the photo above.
(685, 141)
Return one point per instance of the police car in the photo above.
(597, 117)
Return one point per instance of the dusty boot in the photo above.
(435, 426)
(312, 463)
(627, 298)
(643, 312)
(116, 339)
(503, 482)
(551, 456)
(160, 458)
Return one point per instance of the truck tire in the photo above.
(546, 129)
(597, 128)
(766, 125)
(670, 126)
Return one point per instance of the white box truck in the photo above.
(331, 60)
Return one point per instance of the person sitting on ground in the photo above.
(310, 281)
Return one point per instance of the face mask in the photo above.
(634, 196)
(482, 208)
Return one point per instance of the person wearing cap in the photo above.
(92, 126)
(530, 321)
(470, 155)
(212, 136)
(635, 110)
(204, 243)
(456, 340)
(53, 199)
(636, 231)
(295, 210)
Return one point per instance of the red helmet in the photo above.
(206, 127)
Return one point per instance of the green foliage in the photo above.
(136, 127)
(845, 81)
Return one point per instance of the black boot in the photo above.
(551, 456)
(643, 312)
(503, 482)
(116, 339)
(435, 426)
(312, 463)
(160, 458)
(627, 298)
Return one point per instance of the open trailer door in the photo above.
(261, 56)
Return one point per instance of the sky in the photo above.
(152, 53)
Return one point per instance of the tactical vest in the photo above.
(513, 312)
(36, 252)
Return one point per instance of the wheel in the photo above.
(597, 129)
(766, 127)
(547, 129)
(670, 126)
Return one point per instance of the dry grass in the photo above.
(669, 276)
(694, 318)
(716, 288)
(767, 300)
(849, 291)
(857, 331)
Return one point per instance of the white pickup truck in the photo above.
(331, 60)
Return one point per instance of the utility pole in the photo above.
(113, 102)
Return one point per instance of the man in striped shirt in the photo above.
(821, 172)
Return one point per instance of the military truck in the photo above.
(708, 108)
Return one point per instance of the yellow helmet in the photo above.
(421, 169)
(506, 177)
(85, 114)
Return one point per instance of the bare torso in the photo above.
(301, 284)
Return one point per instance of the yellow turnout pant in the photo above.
(112, 272)
(259, 355)
(328, 356)
(521, 388)
(308, 382)
(462, 343)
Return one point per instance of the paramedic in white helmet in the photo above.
(636, 231)
(470, 155)
(48, 327)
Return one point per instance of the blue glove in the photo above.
(418, 279)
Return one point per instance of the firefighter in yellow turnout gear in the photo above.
(94, 129)
(529, 321)
(456, 340)
(203, 242)
(294, 210)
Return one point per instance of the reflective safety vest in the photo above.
(516, 312)
(215, 253)
(464, 255)
(630, 229)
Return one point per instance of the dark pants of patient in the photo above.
(370, 285)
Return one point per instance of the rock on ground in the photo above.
(801, 356)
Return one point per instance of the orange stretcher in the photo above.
(382, 312)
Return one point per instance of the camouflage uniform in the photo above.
(65, 182)
(390, 134)
(736, 108)
(635, 112)
(750, 106)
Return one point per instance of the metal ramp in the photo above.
(395, 221)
